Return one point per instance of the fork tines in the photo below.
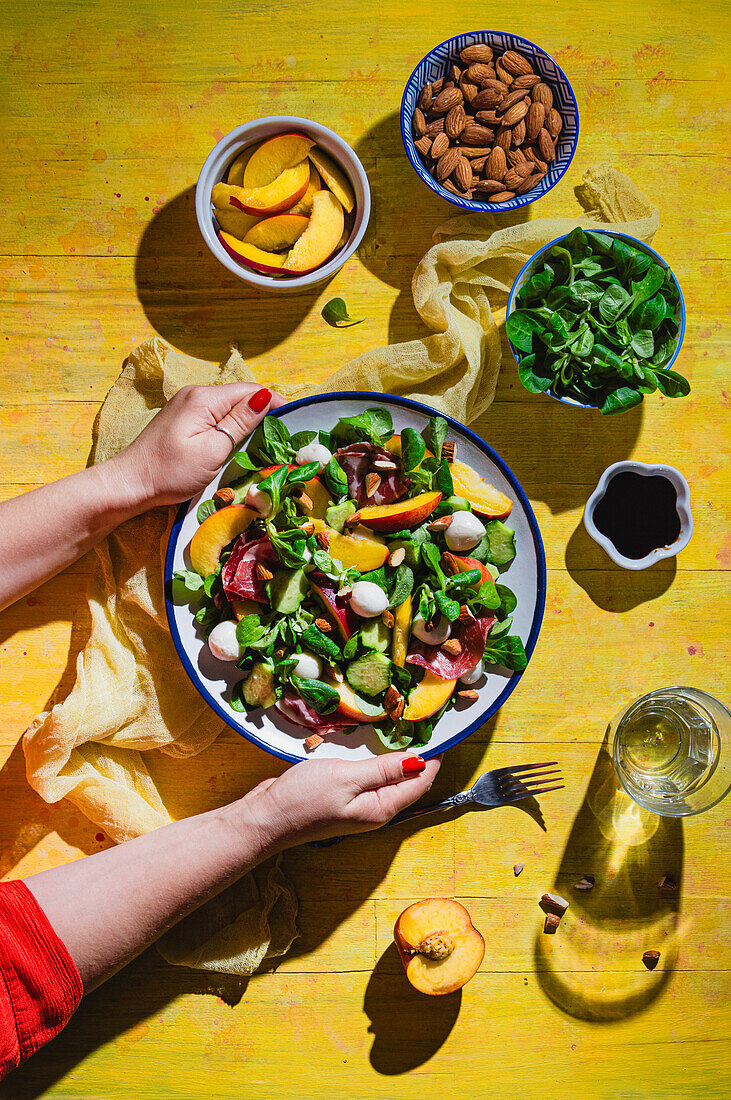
(531, 781)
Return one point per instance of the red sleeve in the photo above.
(40, 985)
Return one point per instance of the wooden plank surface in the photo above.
(109, 113)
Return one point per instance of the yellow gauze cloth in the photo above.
(107, 746)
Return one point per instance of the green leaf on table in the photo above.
(335, 312)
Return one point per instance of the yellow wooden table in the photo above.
(110, 110)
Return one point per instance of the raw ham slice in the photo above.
(473, 639)
(356, 461)
(238, 575)
(302, 714)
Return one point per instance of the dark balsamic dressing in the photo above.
(638, 514)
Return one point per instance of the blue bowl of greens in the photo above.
(596, 319)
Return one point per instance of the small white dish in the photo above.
(216, 167)
(685, 515)
(526, 576)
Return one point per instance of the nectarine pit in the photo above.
(439, 945)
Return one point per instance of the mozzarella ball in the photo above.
(313, 452)
(260, 501)
(308, 665)
(464, 532)
(368, 599)
(223, 643)
(436, 636)
(474, 675)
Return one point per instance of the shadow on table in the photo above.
(611, 587)
(592, 967)
(195, 303)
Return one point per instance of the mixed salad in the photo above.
(353, 575)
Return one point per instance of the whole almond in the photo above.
(515, 63)
(546, 146)
(472, 151)
(511, 98)
(478, 164)
(447, 163)
(455, 121)
(436, 86)
(502, 196)
(502, 73)
(426, 97)
(474, 134)
(424, 145)
(496, 164)
(525, 169)
(455, 72)
(529, 183)
(504, 138)
(554, 123)
(439, 146)
(224, 496)
(455, 190)
(418, 122)
(512, 180)
(519, 132)
(479, 73)
(487, 97)
(534, 120)
(478, 52)
(515, 156)
(469, 91)
(532, 154)
(517, 112)
(527, 80)
(436, 126)
(463, 174)
(488, 118)
(490, 187)
(541, 93)
(446, 100)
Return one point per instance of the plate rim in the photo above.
(476, 440)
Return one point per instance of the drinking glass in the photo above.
(671, 751)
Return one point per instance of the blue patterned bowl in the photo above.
(436, 64)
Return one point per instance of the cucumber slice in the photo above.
(369, 674)
(336, 515)
(287, 590)
(258, 688)
(375, 635)
(411, 550)
(502, 542)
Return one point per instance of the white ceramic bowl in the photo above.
(685, 515)
(526, 576)
(216, 168)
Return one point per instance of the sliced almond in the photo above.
(353, 521)
(308, 528)
(372, 482)
(667, 885)
(452, 646)
(553, 903)
(466, 615)
(551, 924)
(397, 556)
(312, 742)
(303, 502)
(585, 884)
(468, 696)
(448, 451)
(387, 619)
(440, 524)
(384, 464)
(224, 496)
(262, 572)
(517, 868)
(345, 591)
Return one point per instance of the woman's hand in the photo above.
(317, 799)
(180, 450)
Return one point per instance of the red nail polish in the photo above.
(260, 400)
(412, 765)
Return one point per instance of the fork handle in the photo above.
(406, 815)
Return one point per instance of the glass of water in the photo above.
(671, 751)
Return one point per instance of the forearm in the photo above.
(109, 907)
(47, 529)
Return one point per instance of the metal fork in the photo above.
(498, 787)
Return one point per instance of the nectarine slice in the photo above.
(404, 513)
(358, 549)
(321, 500)
(217, 531)
(402, 616)
(349, 707)
(334, 177)
(236, 171)
(244, 607)
(321, 237)
(278, 232)
(429, 696)
(485, 499)
(267, 262)
(234, 221)
(456, 563)
(440, 948)
(304, 206)
(274, 156)
(274, 198)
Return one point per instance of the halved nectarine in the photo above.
(429, 696)
(278, 232)
(274, 156)
(404, 513)
(440, 948)
(304, 206)
(269, 263)
(485, 499)
(334, 177)
(321, 237)
(217, 531)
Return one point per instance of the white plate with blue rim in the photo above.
(526, 576)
